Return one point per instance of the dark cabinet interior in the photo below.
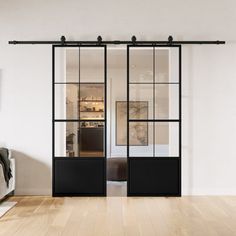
(91, 139)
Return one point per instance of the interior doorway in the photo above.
(117, 121)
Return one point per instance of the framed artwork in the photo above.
(138, 131)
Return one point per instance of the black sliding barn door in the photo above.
(154, 120)
(79, 120)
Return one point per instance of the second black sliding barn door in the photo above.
(79, 120)
(154, 120)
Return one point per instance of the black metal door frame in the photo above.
(96, 164)
(158, 169)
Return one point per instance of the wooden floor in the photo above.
(117, 188)
(119, 216)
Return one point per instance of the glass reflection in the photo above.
(91, 101)
(167, 139)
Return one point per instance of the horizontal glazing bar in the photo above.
(152, 120)
(155, 83)
(164, 157)
(78, 83)
(78, 158)
(78, 120)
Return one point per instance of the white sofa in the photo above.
(4, 190)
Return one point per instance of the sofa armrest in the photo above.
(9, 154)
(4, 190)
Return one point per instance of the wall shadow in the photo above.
(188, 118)
(33, 177)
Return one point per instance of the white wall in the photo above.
(209, 79)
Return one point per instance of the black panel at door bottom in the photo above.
(153, 176)
(79, 177)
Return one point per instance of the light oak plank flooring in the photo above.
(144, 216)
(116, 188)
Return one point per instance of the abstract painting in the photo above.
(138, 131)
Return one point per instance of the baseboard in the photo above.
(209, 192)
(185, 192)
(33, 192)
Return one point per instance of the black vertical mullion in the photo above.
(127, 106)
(79, 126)
(53, 123)
(180, 115)
(105, 119)
(154, 101)
(105, 99)
(180, 100)
(127, 131)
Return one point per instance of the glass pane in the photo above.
(167, 101)
(66, 65)
(66, 101)
(141, 65)
(166, 65)
(167, 139)
(141, 101)
(72, 65)
(140, 139)
(92, 139)
(121, 123)
(162, 65)
(138, 110)
(66, 139)
(92, 64)
(92, 101)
